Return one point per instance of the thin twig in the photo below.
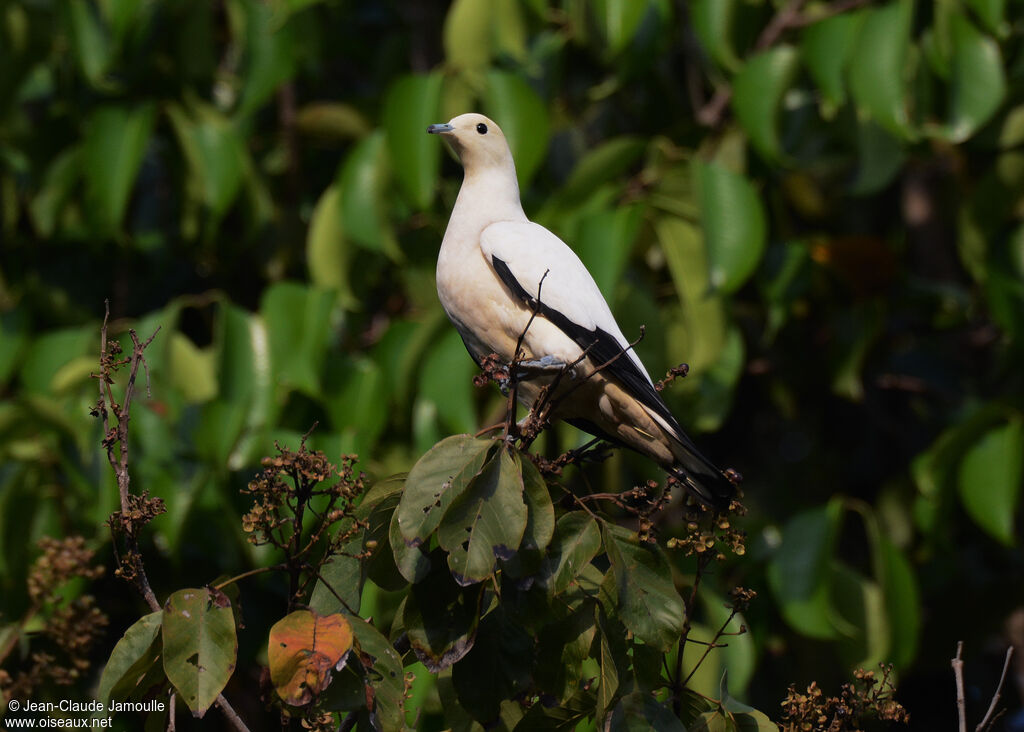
(171, 703)
(988, 718)
(958, 674)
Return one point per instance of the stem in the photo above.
(250, 573)
(958, 674)
(998, 692)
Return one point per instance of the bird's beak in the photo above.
(440, 129)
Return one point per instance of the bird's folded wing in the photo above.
(524, 253)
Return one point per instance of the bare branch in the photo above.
(989, 718)
(958, 674)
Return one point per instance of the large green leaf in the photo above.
(131, 658)
(115, 140)
(878, 77)
(540, 523)
(604, 163)
(522, 116)
(605, 242)
(436, 480)
(486, 521)
(410, 106)
(384, 674)
(328, 253)
(643, 590)
(757, 96)
(826, 47)
(215, 153)
(91, 46)
(713, 21)
(640, 712)
(270, 50)
(467, 33)
(563, 646)
(364, 179)
(978, 83)
(298, 320)
(200, 646)
(446, 380)
(990, 480)
(576, 540)
(733, 220)
(619, 20)
(799, 571)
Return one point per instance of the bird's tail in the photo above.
(706, 482)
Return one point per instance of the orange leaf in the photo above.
(304, 648)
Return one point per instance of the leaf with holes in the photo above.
(486, 522)
(436, 480)
(303, 650)
(200, 646)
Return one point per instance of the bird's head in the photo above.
(477, 140)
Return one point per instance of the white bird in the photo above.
(489, 273)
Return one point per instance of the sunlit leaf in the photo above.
(89, 41)
(199, 645)
(522, 116)
(303, 650)
(364, 179)
(410, 106)
(192, 370)
(619, 20)
(992, 14)
(734, 225)
(328, 254)
(270, 55)
(446, 378)
(990, 478)
(978, 83)
(878, 77)
(757, 95)
(436, 480)
(467, 33)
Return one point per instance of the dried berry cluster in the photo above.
(859, 704)
(707, 531)
(291, 485)
(676, 372)
(61, 647)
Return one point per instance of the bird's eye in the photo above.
(481, 128)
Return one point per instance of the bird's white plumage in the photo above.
(489, 274)
(533, 253)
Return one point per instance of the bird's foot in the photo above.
(544, 366)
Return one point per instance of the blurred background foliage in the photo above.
(818, 206)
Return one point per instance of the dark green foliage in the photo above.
(817, 206)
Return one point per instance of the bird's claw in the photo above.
(543, 366)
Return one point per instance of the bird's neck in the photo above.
(491, 193)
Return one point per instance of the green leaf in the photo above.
(878, 77)
(340, 587)
(467, 34)
(486, 521)
(496, 668)
(49, 354)
(446, 380)
(298, 320)
(270, 53)
(990, 480)
(199, 645)
(734, 226)
(436, 480)
(540, 523)
(992, 14)
(384, 674)
(354, 393)
(115, 140)
(193, 371)
(89, 40)
(328, 254)
(577, 540)
(522, 116)
(826, 47)
(216, 155)
(61, 181)
(563, 646)
(978, 83)
(364, 179)
(713, 21)
(645, 596)
(605, 242)
(604, 163)
(131, 658)
(798, 573)
(757, 96)
(410, 106)
(440, 617)
(641, 712)
(619, 20)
